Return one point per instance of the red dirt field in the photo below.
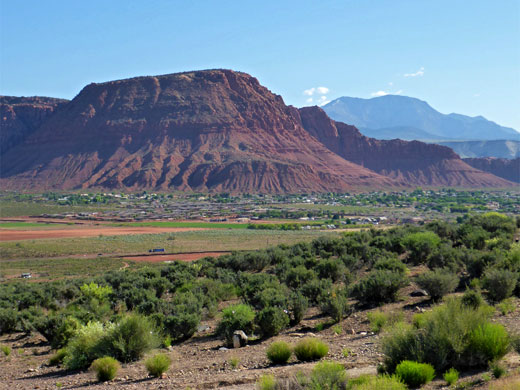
(188, 256)
(14, 235)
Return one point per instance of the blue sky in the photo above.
(460, 56)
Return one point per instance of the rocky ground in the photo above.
(203, 363)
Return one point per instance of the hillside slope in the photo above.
(21, 116)
(215, 130)
(414, 162)
(403, 112)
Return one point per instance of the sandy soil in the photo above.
(202, 363)
(74, 231)
(187, 256)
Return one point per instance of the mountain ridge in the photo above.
(402, 111)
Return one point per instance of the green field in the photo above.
(206, 240)
(18, 225)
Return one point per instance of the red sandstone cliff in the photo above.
(214, 130)
(414, 162)
(501, 167)
(21, 116)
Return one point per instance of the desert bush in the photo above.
(8, 321)
(279, 352)
(131, 338)
(57, 329)
(236, 317)
(298, 305)
(86, 345)
(515, 343)
(379, 286)
(310, 348)
(506, 306)
(438, 283)
(499, 283)
(266, 382)
(158, 364)
(272, 320)
(335, 305)
(488, 342)
(181, 325)
(472, 298)
(451, 376)
(420, 245)
(372, 382)
(379, 319)
(6, 350)
(451, 335)
(106, 368)
(497, 370)
(328, 375)
(58, 357)
(415, 374)
(391, 264)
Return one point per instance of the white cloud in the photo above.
(390, 83)
(379, 93)
(323, 100)
(384, 93)
(420, 72)
(322, 90)
(309, 92)
(316, 90)
(309, 100)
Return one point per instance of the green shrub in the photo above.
(279, 352)
(391, 264)
(497, 370)
(237, 317)
(500, 283)
(266, 382)
(8, 321)
(86, 345)
(106, 368)
(415, 374)
(372, 382)
(488, 342)
(506, 306)
(328, 376)
(438, 283)
(420, 245)
(234, 362)
(272, 320)
(6, 350)
(379, 286)
(158, 364)
(451, 376)
(379, 319)
(310, 348)
(298, 306)
(472, 298)
(515, 343)
(335, 305)
(58, 357)
(131, 338)
(451, 335)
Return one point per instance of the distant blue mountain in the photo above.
(395, 116)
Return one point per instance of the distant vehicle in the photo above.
(26, 275)
(156, 250)
(100, 254)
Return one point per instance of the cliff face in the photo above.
(501, 167)
(415, 163)
(21, 116)
(214, 130)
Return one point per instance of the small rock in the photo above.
(164, 376)
(419, 293)
(223, 349)
(239, 339)
(352, 331)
